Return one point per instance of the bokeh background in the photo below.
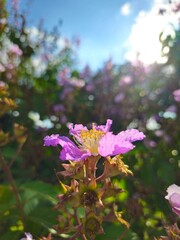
(81, 61)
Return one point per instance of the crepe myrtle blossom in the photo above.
(97, 141)
(173, 197)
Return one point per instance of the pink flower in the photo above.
(119, 97)
(52, 140)
(125, 80)
(64, 76)
(2, 68)
(96, 141)
(16, 50)
(173, 197)
(176, 94)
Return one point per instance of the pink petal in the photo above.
(52, 140)
(111, 145)
(171, 190)
(175, 200)
(105, 128)
(70, 151)
(76, 129)
(176, 210)
(131, 135)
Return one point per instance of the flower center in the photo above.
(90, 140)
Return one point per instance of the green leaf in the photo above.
(115, 231)
(39, 190)
(11, 235)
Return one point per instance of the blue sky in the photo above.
(104, 26)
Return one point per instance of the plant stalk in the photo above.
(13, 187)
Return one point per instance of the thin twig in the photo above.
(123, 234)
(74, 236)
(101, 177)
(16, 155)
(83, 236)
(13, 186)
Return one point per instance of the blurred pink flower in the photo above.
(2, 68)
(46, 57)
(172, 109)
(63, 119)
(86, 73)
(2, 84)
(76, 82)
(159, 133)
(125, 80)
(119, 97)
(90, 87)
(28, 237)
(64, 76)
(173, 197)
(14, 49)
(58, 108)
(10, 66)
(150, 143)
(176, 94)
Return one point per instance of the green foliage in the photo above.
(115, 231)
(38, 200)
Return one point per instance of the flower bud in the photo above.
(20, 133)
(89, 198)
(89, 195)
(92, 226)
(4, 137)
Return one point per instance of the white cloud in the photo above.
(125, 9)
(144, 38)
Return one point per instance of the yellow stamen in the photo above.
(90, 140)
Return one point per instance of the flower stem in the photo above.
(13, 187)
(16, 155)
(91, 166)
(83, 236)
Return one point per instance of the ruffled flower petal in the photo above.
(52, 140)
(176, 210)
(111, 145)
(175, 200)
(76, 129)
(105, 128)
(173, 197)
(70, 151)
(132, 135)
(28, 237)
(171, 190)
